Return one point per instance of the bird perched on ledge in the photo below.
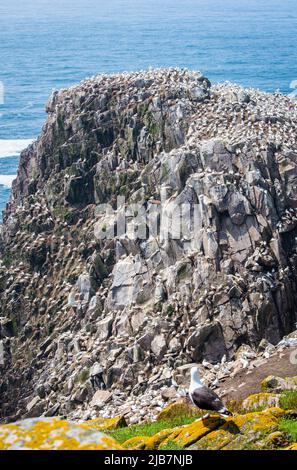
(204, 398)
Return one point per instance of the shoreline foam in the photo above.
(12, 148)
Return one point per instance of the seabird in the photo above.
(203, 397)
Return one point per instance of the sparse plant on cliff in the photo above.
(288, 400)
(290, 428)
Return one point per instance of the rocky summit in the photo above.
(100, 305)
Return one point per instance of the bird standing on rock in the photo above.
(204, 398)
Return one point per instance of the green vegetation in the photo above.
(15, 328)
(182, 272)
(60, 212)
(289, 426)
(288, 400)
(170, 310)
(171, 445)
(82, 376)
(151, 124)
(149, 428)
(7, 259)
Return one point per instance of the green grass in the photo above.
(288, 400)
(171, 445)
(149, 428)
(289, 426)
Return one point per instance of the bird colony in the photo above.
(94, 326)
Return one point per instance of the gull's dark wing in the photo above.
(206, 399)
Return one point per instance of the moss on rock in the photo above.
(136, 443)
(239, 432)
(188, 435)
(260, 401)
(101, 424)
(292, 447)
(179, 408)
(278, 384)
(154, 442)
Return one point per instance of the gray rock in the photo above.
(100, 398)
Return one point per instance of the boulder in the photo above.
(278, 384)
(53, 434)
(178, 409)
(208, 343)
(100, 398)
(240, 432)
(159, 346)
(106, 424)
(260, 401)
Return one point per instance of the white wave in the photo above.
(6, 180)
(12, 148)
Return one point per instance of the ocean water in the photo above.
(45, 45)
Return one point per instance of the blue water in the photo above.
(52, 44)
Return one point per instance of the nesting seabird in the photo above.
(203, 397)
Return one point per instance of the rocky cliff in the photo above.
(86, 307)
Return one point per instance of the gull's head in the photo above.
(195, 377)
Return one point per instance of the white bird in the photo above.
(71, 299)
(203, 397)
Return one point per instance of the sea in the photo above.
(51, 44)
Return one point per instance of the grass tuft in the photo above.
(289, 426)
(149, 428)
(171, 445)
(288, 400)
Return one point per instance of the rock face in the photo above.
(76, 292)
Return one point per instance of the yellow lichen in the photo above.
(53, 434)
(276, 412)
(187, 435)
(179, 408)
(260, 400)
(136, 443)
(154, 442)
(239, 432)
(271, 382)
(292, 446)
(274, 440)
(101, 424)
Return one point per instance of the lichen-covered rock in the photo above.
(292, 446)
(101, 424)
(278, 384)
(260, 401)
(187, 435)
(176, 409)
(275, 440)
(257, 430)
(53, 434)
(154, 442)
(239, 432)
(136, 443)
